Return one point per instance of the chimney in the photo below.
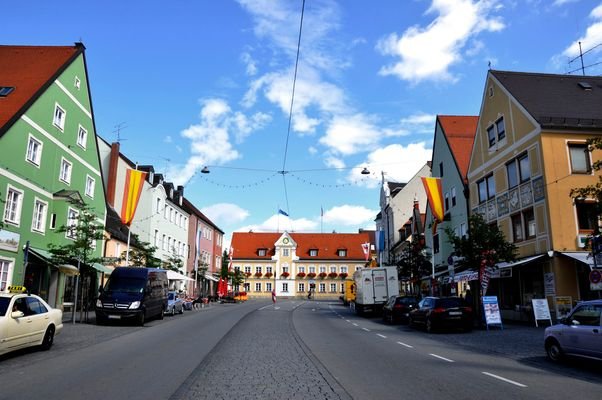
(112, 178)
(181, 190)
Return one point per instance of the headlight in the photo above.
(134, 305)
(98, 303)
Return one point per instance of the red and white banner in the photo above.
(230, 261)
(366, 250)
(274, 296)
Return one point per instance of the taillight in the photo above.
(468, 309)
(397, 306)
(438, 310)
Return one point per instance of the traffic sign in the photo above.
(595, 276)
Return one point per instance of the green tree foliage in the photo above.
(225, 263)
(237, 277)
(486, 242)
(415, 260)
(174, 262)
(84, 232)
(142, 254)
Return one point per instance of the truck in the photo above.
(373, 287)
(349, 294)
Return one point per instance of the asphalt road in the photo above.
(291, 350)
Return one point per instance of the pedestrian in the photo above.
(468, 298)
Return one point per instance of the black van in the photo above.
(133, 293)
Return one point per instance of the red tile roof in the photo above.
(460, 133)
(246, 244)
(29, 69)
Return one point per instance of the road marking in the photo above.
(264, 307)
(441, 358)
(366, 329)
(354, 324)
(276, 308)
(501, 378)
(348, 320)
(382, 336)
(406, 345)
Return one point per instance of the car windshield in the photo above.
(126, 285)
(450, 302)
(171, 296)
(4, 305)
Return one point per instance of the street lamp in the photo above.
(365, 171)
(205, 170)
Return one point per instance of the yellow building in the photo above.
(529, 152)
(297, 263)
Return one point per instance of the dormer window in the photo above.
(313, 252)
(342, 252)
(262, 252)
(6, 90)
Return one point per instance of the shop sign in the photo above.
(549, 284)
(564, 304)
(541, 310)
(492, 311)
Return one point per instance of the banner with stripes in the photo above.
(134, 180)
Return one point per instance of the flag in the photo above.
(274, 296)
(134, 180)
(230, 260)
(434, 193)
(366, 250)
(282, 212)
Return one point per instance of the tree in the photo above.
(225, 264)
(237, 277)
(174, 262)
(414, 261)
(142, 254)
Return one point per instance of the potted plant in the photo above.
(301, 274)
(311, 275)
(284, 274)
(343, 275)
(332, 275)
(268, 274)
(322, 275)
(247, 274)
(258, 274)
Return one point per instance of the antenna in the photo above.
(118, 128)
(580, 57)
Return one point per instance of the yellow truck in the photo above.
(349, 294)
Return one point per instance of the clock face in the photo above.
(285, 240)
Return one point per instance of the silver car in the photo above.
(580, 334)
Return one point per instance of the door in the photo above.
(379, 280)
(39, 317)
(583, 335)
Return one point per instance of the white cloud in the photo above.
(399, 163)
(225, 213)
(334, 162)
(563, 2)
(217, 126)
(347, 135)
(348, 215)
(312, 150)
(591, 38)
(429, 53)
(419, 123)
(251, 66)
(281, 223)
(167, 139)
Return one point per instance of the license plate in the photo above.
(114, 316)
(455, 313)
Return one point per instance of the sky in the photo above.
(188, 84)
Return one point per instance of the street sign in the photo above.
(595, 276)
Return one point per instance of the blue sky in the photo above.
(195, 83)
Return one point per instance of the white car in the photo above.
(27, 320)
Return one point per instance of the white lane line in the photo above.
(501, 378)
(348, 320)
(406, 345)
(366, 329)
(264, 307)
(354, 324)
(382, 336)
(441, 358)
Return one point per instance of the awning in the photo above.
(102, 268)
(466, 276)
(211, 278)
(174, 276)
(582, 256)
(43, 254)
(68, 269)
(518, 262)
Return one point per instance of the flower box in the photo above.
(311, 275)
(284, 275)
(268, 275)
(301, 274)
(322, 275)
(247, 274)
(343, 275)
(258, 274)
(333, 275)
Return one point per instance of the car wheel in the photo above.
(48, 338)
(100, 321)
(173, 311)
(554, 351)
(140, 321)
(182, 310)
(429, 325)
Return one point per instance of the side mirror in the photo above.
(17, 314)
(575, 322)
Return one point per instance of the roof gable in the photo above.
(30, 70)
(459, 131)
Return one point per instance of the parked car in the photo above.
(397, 308)
(442, 312)
(175, 304)
(579, 334)
(27, 320)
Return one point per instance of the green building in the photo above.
(48, 159)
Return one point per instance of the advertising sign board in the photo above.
(492, 311)
(541, 310)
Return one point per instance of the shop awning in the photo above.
(68, 269)
(102, 268)
(43, 254)
(518, 262)
(211, 278)
(174, 276)
(582, 256)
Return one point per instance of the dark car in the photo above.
(397, 308)
(442, 312)
(580, 334)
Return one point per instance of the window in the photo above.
(34, 151)
(170, 214)
(90, 183)
(301, 287)
(580, 161)
(258, 286)
(268, 269)
(158, 206)
(511, 171)
(441, 169)
(39, 216)
(52, 221)
(313, 252)
(333, 269)
(436, 243)
(65, 173)
(529, 218)
(258, 270)
(587, 315)
(77, 83)
(453, 196)
(247, 269)
(285, 252)
(342, 288)
(285, 287)
(333, 288)
(491, 135)
(118, 250)
(517, 228)
(312, 269)
(163, 243)
(486, 188)
(285, 268)
(586, 215)
(446, 201)
(261, 252)
(165, 212)
(71, 223)
(82, 137)
(268, 286)
(322, 269)
(344, 269)
(322, 287)
(463, 230)
(4, 267)
(12, 207)
(524, 168)
(342, 253)
(301, 269)
(59, 117)
(5, 91)
(496, 132)
(156, 239)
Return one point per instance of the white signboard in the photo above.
(541, 310)
(492, 311)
